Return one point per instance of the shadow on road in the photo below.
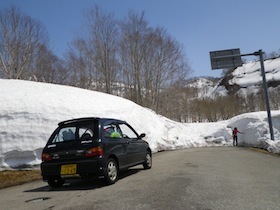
(83, 184)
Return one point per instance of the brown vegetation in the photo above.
(12, 178)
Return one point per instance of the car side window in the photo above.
(127, 132)
(112, 130)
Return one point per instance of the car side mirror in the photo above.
(142, 135)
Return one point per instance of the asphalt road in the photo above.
(199, 178)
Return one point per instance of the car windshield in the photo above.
(72, 133)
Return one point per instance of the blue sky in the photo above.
(200, 26)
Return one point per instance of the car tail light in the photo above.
(46, 157)
(95, 151)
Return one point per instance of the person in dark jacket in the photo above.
(234, 136)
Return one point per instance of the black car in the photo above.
(88, 147)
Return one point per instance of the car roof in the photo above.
(78, 120)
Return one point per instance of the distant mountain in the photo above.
(201, 86)
(248, 79)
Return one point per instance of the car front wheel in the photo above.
(111, 172)
(148, 161)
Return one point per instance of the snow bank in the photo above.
(30, 111)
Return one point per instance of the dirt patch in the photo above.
(12, 178)
(264, 151)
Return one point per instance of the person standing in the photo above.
(234, 136)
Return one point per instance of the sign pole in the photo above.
(266, 95)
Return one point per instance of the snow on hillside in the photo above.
(249, 77)
(202, 85)
(30, 111)
(249, 74)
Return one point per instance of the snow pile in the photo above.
(30, 111)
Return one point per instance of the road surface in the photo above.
(198, 178)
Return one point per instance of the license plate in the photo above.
(68, 169)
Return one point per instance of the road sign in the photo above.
(225, 59)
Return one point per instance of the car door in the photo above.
(136, 148)
(113, 142)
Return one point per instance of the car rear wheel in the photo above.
(111, 172)
(56, 182)
(148, 162)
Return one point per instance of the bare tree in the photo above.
(151, 60)
(93, 59)
(21, 39)
(134, 47)
(103, 44)
(49, 68)
(147, 62)
(168, 65)
(80, 65)
(274, 98)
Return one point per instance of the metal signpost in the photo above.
(231, 59)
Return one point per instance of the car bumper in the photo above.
(92, 167)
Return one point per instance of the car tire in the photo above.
(148, 161)
(57, 182)
(111, 172)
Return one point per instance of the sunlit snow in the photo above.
(30, 111)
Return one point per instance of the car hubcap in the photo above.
(112, 171)
(149, 160)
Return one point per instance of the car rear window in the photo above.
(72, 133)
